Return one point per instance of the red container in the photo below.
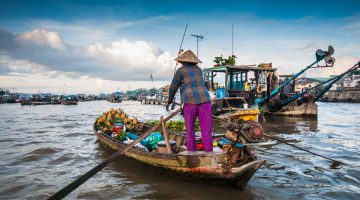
(200, 146)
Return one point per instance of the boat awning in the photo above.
(239, 68)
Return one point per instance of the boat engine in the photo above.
(252, 131)
(247, 131)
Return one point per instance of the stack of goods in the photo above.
(118, 124)
(179, 125)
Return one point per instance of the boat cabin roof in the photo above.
(239, 68)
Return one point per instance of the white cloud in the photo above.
(44, 51)
(42, 37)
(21, 65)
(138, 53)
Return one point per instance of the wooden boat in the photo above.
(26, 102)
(56, 99)
(198, 166)
(305, 109)
(297, 109)
(237, 93)
(70, 100)
(39, 103)
(115, 97)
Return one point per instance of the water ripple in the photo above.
(45, 147)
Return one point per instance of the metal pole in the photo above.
(232, 39)
(197, 47)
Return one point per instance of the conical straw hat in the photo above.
(188, 56)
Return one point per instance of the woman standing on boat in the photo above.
(195, 97)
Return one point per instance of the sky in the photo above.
(104, 46)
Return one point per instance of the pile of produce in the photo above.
(117, 122)
(179, 125)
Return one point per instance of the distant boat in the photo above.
(116, 97)
(39, 103)
(70, 100)
(41, 99)
(56, 99)
(26, 102)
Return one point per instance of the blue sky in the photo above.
(117, 44)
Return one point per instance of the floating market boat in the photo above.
(154, 99)
(70, 100)
(263, 89)
(296, 109)
(238, 93)
(26, 102)
(41, 99)
(234, 166)
(56, 99)
(40, 103)
(116, 97)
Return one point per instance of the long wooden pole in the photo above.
(167, 143)
(182, 40)
(75, 184)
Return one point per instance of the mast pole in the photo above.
(232, 39)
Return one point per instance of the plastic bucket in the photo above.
(220, 93)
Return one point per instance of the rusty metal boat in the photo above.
(195, 166)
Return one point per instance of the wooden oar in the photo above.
(75, 184)
(167, 143)
(333, 165)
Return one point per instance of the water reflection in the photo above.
(290, 125)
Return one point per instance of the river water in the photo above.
(43, 148)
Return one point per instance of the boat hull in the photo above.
(70, 103)
(202, 167)
(39, 103)
(115, 101)
(303, 110)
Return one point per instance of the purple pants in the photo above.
(203, 111)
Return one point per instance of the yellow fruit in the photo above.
(135, 121)
(123, 116)
(108, 123)
(215, 144)
(109, 116)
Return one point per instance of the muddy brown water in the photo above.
(43, 148)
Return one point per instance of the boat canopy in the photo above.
(117, 94)
(238, 68)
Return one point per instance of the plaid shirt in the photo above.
(191, 81)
